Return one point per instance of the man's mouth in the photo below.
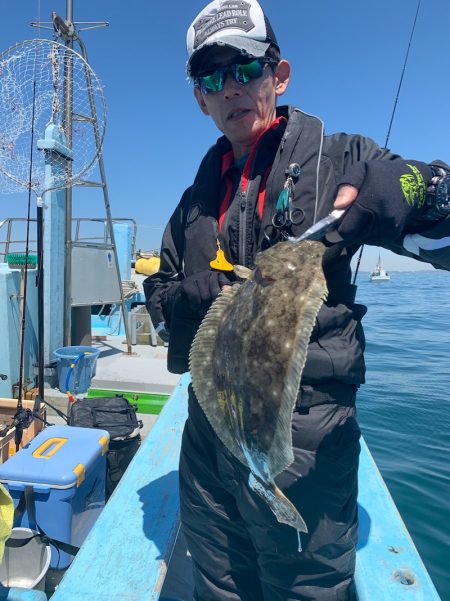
(237, 114)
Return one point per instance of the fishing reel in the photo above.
(23, 418)
(438, 194)
(21, 421)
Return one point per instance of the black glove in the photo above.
(392, 196)
(200, 289)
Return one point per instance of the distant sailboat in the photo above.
(379, 274)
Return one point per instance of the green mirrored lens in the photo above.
(244, 73)
(213, 82)
(241, 73)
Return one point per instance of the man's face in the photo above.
(242, 111)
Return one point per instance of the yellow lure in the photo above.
(221, 263)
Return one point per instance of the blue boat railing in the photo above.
(388, 565)
(127, 553)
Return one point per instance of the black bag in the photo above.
(118, 417)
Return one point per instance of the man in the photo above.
(239, 550)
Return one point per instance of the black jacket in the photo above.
(189, 243)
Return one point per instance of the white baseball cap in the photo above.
(238, 24)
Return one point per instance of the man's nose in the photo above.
(231, 87)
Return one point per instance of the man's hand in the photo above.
(202, 288)
(384, 200)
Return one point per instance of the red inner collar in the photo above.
(228, 162)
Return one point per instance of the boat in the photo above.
(379, 274)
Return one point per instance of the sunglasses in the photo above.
(242, 73)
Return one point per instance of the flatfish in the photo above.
(247, 358)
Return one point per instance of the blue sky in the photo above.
(347, 57)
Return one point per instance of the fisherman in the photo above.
(271, 175)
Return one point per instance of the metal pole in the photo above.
(40, 291)
(67, 125)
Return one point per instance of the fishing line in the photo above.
(402, 75)
(393, 111)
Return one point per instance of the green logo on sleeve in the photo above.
(413, 187)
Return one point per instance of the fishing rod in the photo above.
(23, 417)
(394, 109)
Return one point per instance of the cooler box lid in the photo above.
(58, 457)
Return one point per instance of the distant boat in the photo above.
(379, 274)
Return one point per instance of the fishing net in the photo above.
(52, 117)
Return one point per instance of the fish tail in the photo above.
(283, 509)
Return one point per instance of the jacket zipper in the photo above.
(242, 227)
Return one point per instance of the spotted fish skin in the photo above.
(248, 355)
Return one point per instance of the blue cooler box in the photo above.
(66, 466)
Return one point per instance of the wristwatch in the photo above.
(438, 194)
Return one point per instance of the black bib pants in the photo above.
(239, 550)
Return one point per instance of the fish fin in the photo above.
(283, 509)
(216, 404)
(278, 460)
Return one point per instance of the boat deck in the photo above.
(143, 371)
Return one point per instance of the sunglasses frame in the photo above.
(220, 72)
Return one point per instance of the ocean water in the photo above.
(404, 407)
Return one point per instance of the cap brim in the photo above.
(241, 44)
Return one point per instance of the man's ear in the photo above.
(282, 76)
(200, 100)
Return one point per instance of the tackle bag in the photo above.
(118, 417)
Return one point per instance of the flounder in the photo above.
(247, 359)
